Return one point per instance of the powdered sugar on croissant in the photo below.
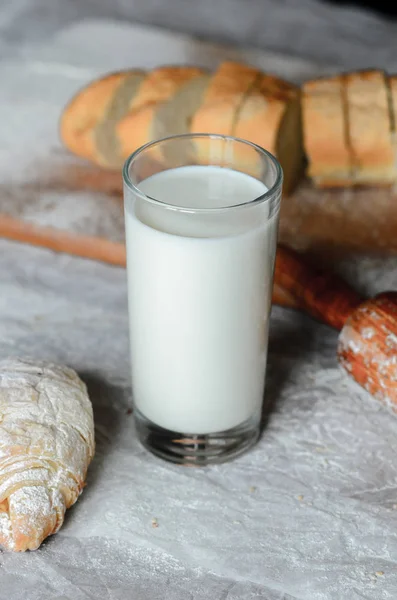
(46, 445)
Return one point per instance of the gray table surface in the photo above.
(311, 512)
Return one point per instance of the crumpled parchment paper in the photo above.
(309, 514)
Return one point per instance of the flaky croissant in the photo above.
(46, 445)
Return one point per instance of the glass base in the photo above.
(196, 450)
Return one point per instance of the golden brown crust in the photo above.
(161, 83)
(83, 113)
(325, 130)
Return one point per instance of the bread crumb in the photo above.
(379, 573)
(300, 497)
(155, 522)
(252, 489)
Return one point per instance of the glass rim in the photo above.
(267, 196)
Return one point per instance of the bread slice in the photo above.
(87, 126)
(224, 95)
(217, 114)
(175, 116)
(325, 132)
(370, 128)
(138, 126)
(391, 85)
(270, 116)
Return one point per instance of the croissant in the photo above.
(46, 445)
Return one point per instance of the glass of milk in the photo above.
(201, 219)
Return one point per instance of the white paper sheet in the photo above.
(309, 514)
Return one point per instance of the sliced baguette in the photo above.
(370, 128)
(325, 132)
(140, 125)
(270, 116)
(87, 126)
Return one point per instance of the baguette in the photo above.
(344, 126)
(87, 125)
(270, 116)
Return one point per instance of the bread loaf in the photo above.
(343, 126)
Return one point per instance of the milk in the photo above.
(199, 288)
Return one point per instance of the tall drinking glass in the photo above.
(201, 217)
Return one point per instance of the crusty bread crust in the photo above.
(87, 109)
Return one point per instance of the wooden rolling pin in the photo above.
(367, 346)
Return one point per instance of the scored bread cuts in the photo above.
(46, 445)
(342, 128)
(349, 129)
